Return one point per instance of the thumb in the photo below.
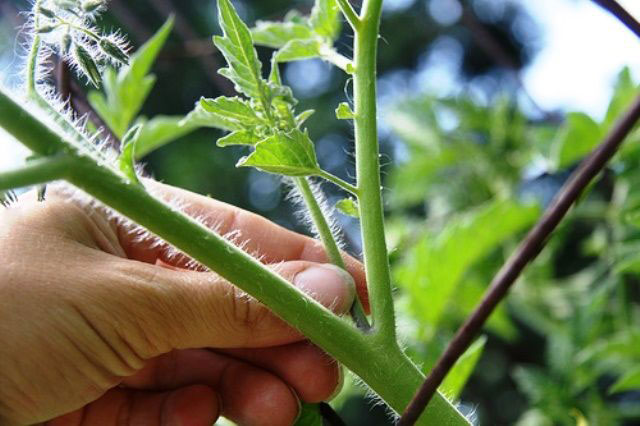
(161, 309)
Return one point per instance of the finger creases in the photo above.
(176, 309)
(193, 405)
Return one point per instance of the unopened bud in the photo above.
(91, 5)
(46, 29)
(112, 49)
(46, 12)
(65, 44)
(87, 65)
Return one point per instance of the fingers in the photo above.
(159, 309)
(249, 395)
(307, 369)
(195, 405)
(271, 242)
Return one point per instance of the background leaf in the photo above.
(126, 91)
(461, 371)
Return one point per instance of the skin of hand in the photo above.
(99, 327)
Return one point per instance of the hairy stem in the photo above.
(384, 368)
(339, 182)
(331, 247)
(32, 59)
(349, 14)
(36, 172)
(368, 172)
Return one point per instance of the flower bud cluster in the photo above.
(67, 27)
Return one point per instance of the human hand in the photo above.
(100, 327)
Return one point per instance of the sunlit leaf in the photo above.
(126, 91)
(297, 50)
(127, 159)
(578, 137)
(325, 18)
(277, 34)
(223, 113)
(239, 137)
(304, 116)
(290, 154)
(349, 207)
(159, 131)
(344, 112)
(462, 370)
(245, 70)
(629, 381)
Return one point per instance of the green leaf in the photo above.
(223, 113)
(239, 137)
(232, 109)
(344, 112)
(625, 90)
(289, 154)
(629, 381)
(245, 70)
(296, 50)
(304, 116)
(309, 416)
(127, 159)
(578, 137)
(349, 207)
(126, 91)
(277, 34)
(159, 131)
(325, 19)
(461, 371)
(435, 267)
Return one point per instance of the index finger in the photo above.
(265, 240)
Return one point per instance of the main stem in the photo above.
(368, 173)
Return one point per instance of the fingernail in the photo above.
(340, 384)
(295, 395)
(333, 287)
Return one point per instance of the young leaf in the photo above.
(277, 34)
(159, 131)
(240, 137)
(289, 154)
(200, 117)
(349, 207)
(461, 371)
(127, 159)
(578, 137)
(296, 50)
(325, 19)
(231, 109)
(304, 116)
(237, 47)
(343, 112)
(126, 91)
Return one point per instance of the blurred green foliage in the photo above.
(470, 174)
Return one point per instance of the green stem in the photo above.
(350, 15)
(36, 172)
(32, 59)
(339, 182)
(331, 247)
(383, 367)
(368, 172)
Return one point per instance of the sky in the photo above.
(583, 49)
